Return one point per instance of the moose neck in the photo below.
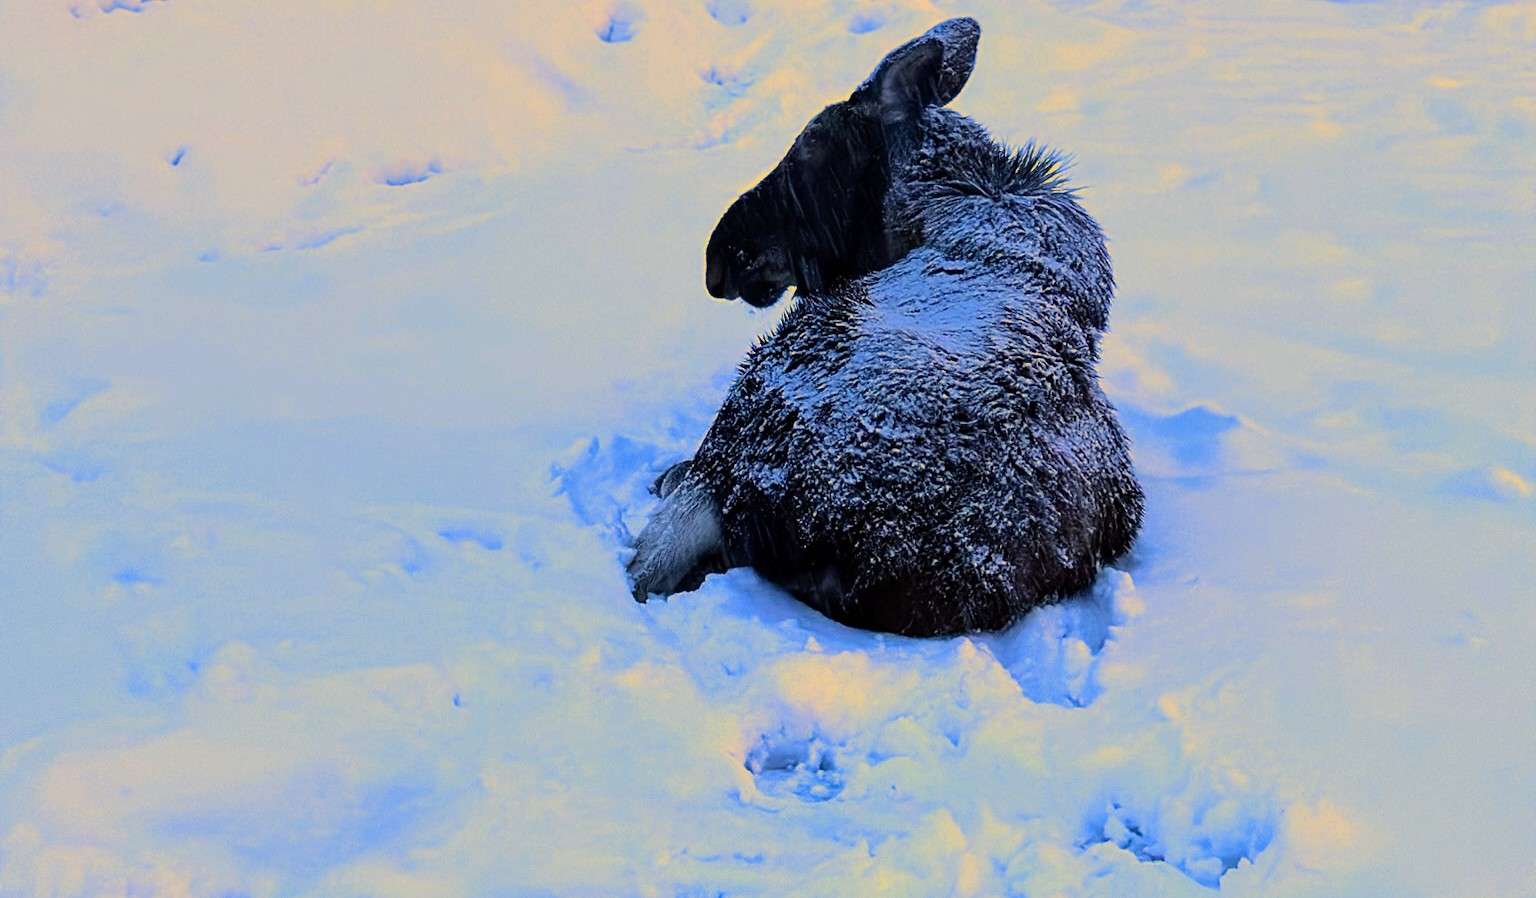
(1007, 213)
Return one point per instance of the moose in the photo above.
(921, 446)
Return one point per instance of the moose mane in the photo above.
(992, 169)
(970, 196)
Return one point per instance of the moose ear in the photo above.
(928, 70)
(959, 38)
(908, 81)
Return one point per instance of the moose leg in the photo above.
(681, 537)
(671, 478)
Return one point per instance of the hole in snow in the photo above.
(1053, 653)
(1221, 834)
(481, 536)
(410, 173)
(731, 83)
(111, 6)
(805, 767)
(729, 12)
(865, 22)
(621, 25)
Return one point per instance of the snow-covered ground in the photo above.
(338, 342)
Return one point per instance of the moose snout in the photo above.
(716, 278)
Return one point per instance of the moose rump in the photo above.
(921, 446)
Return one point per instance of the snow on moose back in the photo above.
(921, 446)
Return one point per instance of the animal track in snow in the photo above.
(622, 23)
(604, 482)
(484, 537)
(107, 7)
(1203, 836)
(406, 173)
(732, 83)
(22, 276)
(729, 12)
(867, 21)
(802, 766)
(1053, 653)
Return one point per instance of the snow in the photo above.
(314, 491)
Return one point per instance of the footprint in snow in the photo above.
(802, 766)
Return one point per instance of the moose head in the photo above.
(818, 217)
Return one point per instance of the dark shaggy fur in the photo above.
(921, 446)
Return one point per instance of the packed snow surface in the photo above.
(339, 342)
